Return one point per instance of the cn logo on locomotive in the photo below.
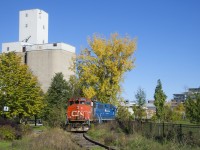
(77, 113)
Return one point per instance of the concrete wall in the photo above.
(46, 63)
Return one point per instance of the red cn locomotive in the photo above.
(79, 114)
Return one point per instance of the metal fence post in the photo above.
(180, 133)
(163, 129)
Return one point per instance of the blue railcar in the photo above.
(103, 111)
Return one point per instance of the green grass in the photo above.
(39, 128)
(5, 145)
(187, 122)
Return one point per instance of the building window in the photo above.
(54, 44)
(25, 58)
(24, 49)
(26, 15)
(26, 25)
(8, 48)
(43, 27)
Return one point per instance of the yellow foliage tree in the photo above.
(101, 66)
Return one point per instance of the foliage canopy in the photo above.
(101, 66)
(58, 92)
(19, 89)
(192, 106)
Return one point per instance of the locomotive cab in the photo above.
(79, 114)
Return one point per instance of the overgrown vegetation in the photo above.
(193, 107)
(11, 130)
(52, 139)
(7, 133)
(111, 134)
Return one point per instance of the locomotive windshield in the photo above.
(87, 103)
(71, 102)
(82, 102)
(79, 101)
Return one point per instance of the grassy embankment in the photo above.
(42, 139)
(5, 145)
(111, 135)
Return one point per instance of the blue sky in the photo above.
(168, 33)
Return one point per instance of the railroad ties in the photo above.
(83, 141)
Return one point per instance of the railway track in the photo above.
(85, 142)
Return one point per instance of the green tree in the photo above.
(123, 114)
(75, 87)
(171, 115)
(140, 97)
(192, 106)
(56, 97)
(138, 109)
(101, 66)
(59, 91)
(159, 100)
(180, 108)
(19, 89)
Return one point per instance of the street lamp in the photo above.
(5, 108)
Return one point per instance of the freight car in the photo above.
(81, 112)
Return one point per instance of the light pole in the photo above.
(5, 108)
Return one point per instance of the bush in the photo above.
(55, 117)
(7, 133)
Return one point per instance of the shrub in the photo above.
(110, 139)
(111, 135)
(25, 129)
(7, 133)
(55, 117)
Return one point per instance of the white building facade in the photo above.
(33, 26)
(43, 58)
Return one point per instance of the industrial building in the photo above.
(43, 58)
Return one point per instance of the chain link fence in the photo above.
(182, 133)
